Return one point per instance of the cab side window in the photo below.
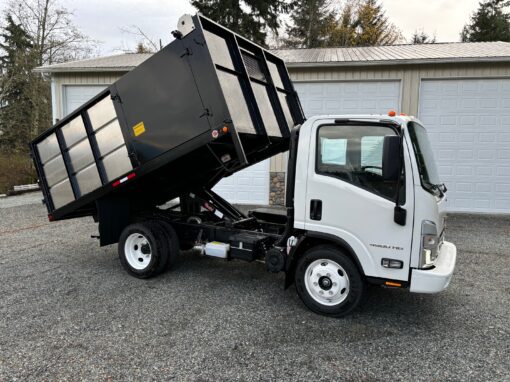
(354, 154)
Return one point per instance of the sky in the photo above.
(104, 20)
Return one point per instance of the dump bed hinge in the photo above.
(116, 98)
(186, 52)
(206, 113)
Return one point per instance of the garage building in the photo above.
(460, 91)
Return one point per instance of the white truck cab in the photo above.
(370, 184)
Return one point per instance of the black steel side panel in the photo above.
(162, 94)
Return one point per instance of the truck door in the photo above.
(348, 200)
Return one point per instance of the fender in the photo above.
(315, 238)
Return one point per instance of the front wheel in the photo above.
(328, 282)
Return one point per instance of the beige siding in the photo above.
(65, 79)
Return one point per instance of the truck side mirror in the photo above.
(391, 159)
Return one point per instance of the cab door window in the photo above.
(354, 154)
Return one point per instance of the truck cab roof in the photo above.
(398, 119)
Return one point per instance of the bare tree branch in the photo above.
(135, 30)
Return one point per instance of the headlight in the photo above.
(429, 244)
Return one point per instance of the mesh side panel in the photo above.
(253, 67)
(236, 102)
(55, 170)
(62, 193)
(286, 110)
(275, 74)
(48, 148)
(219, 50)
(266, 110)
(117, 163)
(109, 138)
(81, 155)
(102, 113)
(74, 131)
(88, 179)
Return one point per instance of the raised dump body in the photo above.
(207, 105)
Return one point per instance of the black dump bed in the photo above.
(207, 105)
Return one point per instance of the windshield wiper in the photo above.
(440, 188)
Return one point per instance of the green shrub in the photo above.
(15, 169)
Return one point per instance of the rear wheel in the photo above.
(173, 244)
(328, 282)
(144, 249)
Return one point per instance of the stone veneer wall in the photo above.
(277, 188)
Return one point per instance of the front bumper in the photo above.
(437, 279)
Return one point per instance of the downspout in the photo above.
(54, 116)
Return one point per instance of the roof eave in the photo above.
(54, 70)
(43, 69)
(397, 62)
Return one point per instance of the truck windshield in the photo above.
(425, 158)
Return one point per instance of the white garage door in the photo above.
(469, 126)
(249, 186)
(75, 96)
(372, 97)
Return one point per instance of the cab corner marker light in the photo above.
(125, 179)
(392, 284)
(392, 113)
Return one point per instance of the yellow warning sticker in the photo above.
(139, 129)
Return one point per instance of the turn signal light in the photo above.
(392, 284)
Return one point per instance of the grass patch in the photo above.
(15, 169)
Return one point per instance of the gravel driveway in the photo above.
(68, 311)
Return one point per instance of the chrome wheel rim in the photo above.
(138, 251)
(327, 282)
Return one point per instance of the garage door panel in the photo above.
(469, 125)
(77, 95)
(249, 186)
(356, 97)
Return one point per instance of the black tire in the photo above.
(354, 291)
(155, 235)
(173, 244)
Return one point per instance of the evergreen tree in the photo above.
(17, 61)
(420, 37)
(344, 33)
(373, 26)
(249, 18)
(312, 24)
(490, 22)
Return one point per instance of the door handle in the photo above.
(316, 209)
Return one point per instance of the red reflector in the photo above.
(122, 180)
(50, 217)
